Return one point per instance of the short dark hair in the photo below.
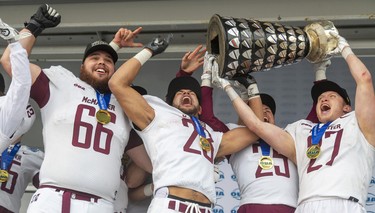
(179, 83)
(324, 86)
(100, 45)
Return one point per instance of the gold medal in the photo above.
(205, 144)
(103, 116)
(3, 176)
(265, 162)
(313, 152)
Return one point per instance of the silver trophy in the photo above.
(243, 45)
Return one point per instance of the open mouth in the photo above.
(100, 71)
(265, 119)
(325, 108)
(186, 100)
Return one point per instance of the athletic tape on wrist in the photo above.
(147, 190)
(114, 46)
(143, 56)
(206, 83)
(346, 52)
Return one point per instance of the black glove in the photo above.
(45, 17)
(158, 45)
(249, 82)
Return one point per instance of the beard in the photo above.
(191, 111)
(99, 85)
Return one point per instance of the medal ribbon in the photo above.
(103, 100)
(264, 147)
(6, 158)
(198, 126)
(317, 133)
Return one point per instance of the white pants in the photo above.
(329, 206)
(48, 200)
(162, 204)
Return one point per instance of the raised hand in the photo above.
(206, 76)
(45, 17)
(158, 45)
(193, 60)
(216, 79)
(125, 38)
(341, 46)
(320, 69)
(249, 82)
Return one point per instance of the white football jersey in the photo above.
(13, 104)
(173, 146)
(344, 166)
(278, 185)
(81, 154)
(22, 171)
(121, 200)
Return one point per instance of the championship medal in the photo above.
(103, 116)
(313, 152)
(205, 144)
(265, 162)
(3, 176)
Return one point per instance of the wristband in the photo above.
(147, 190)
(231, 93)
(143, 56)
(346, 52)
(34, 27)
(206, 80)
(115, 46)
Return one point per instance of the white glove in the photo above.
(342, 47)
(320, 69)
(207, 67)
(216, 80)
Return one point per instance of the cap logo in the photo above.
(98, 43)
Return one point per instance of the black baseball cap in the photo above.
(324, 86)
(100, 45)
(179, 83)
(268, 101)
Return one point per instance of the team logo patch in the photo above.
(5, 32)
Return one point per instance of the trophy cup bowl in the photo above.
(244, 45)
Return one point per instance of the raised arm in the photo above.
(17, 97)
(134, 104)
(273, 135)
(364, 95)
(191, 61)
(320, 69)
(45, 17)
(125, 38)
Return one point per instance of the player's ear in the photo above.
(200, 110)
(347, 108)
